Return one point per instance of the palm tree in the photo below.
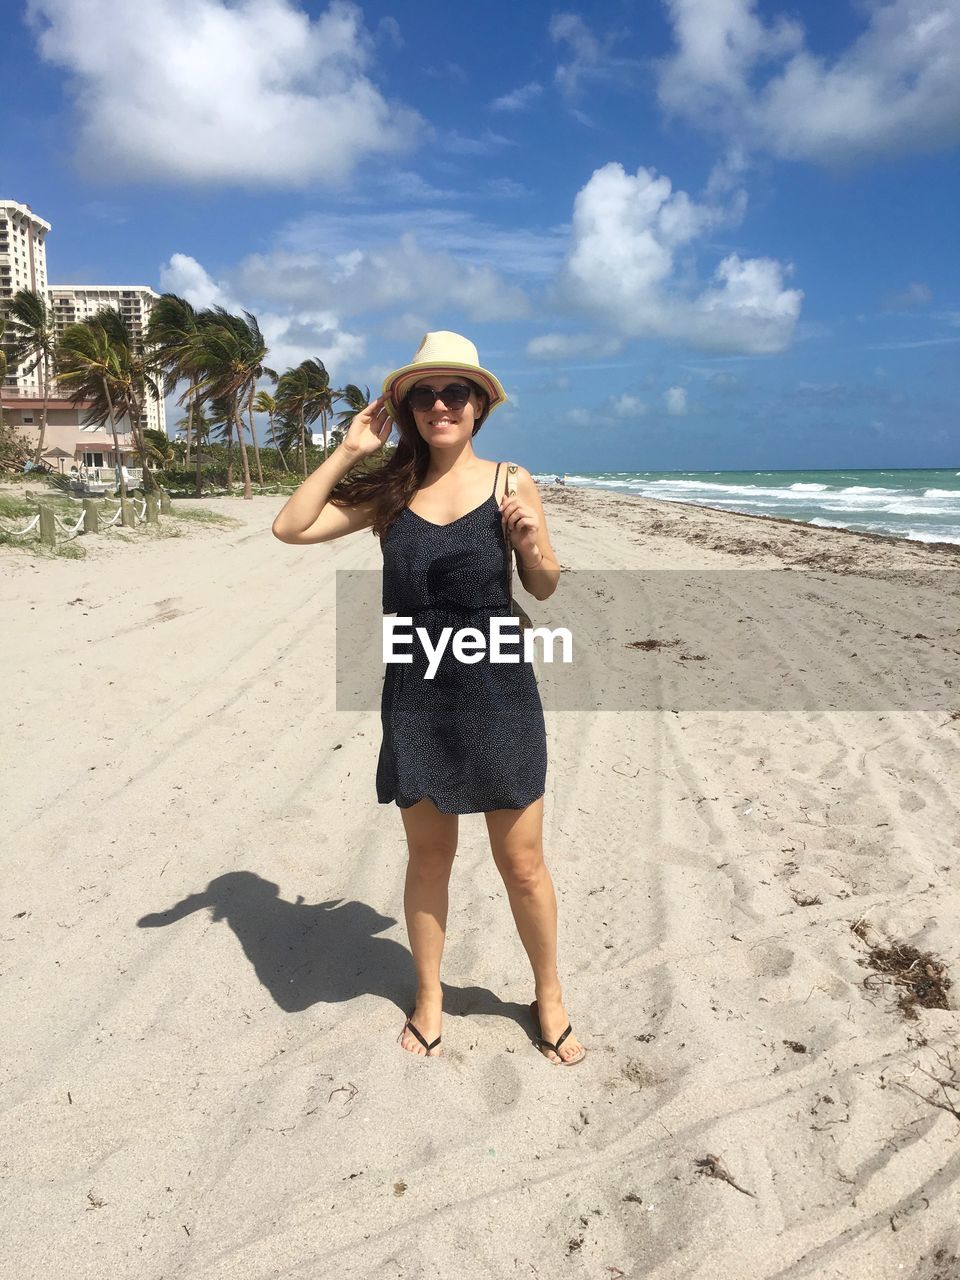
(229, 360)
(304, 394)
(289, 436)
(89, 368)
(254, 350)
(35, 343)
(264, 402)
(320, 397)
(159, 448)
(171, 332)
(355, 400)
(292, 394)
(197, 422)
(138, 377)
(221, 425)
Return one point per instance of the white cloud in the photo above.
(622, 265)
(515, 251)
(292, 336)
(627, 406)
(313, 335)
(612, 414)
(518, 99)
(207, 92)
(675, 398)
(488, 143)
(589, 57)
(185, 277)
(388, 30)
(584, 51)
(383, 277)
(894, 90)
(578, 346)
(578, 417)
(916, 294)
(405, 328)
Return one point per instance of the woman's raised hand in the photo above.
(369, 430)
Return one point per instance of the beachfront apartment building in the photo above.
(23, 265)
(71, 303)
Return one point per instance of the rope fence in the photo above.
(92, 519)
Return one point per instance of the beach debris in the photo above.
(399, 1188)
(824, 1099)
(945, 1077)
(649, 645)
(624, 773)
(920, 978)
(806, 899)
(350, 1089)
(95, 1201)
(713, 1167)
(638, 1073)
(632, 1198)
(796, 1046)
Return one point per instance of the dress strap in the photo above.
(496, 479)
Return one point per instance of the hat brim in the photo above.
(397, 384)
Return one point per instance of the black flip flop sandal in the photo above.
(545, 1044)
(428, 1047)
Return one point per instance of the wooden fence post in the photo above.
(48, 528)
(164, 502)
(127, 517)
(153, 508)
(91, 515)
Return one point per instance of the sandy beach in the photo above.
(204, 960)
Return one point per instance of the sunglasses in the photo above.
(455, 396)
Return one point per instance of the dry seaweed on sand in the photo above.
(920, 978)
(713, 1167)
(945, 1079)
(649, 645)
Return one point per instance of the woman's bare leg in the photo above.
(516, 840)
(432, 844)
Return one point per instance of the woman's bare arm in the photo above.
(308, 516)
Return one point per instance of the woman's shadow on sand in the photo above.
(326, 952)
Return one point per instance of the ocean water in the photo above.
(921, 505)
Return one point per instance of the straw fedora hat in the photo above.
(442, 352)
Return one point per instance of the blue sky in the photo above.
(688, 234)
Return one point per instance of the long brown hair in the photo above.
(390, 486)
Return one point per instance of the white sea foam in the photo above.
(896, 509)
(923, 535)
(912, 509)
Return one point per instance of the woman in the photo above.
(472, 739)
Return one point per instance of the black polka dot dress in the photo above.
(472, 738)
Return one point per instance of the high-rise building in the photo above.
(23, 265)
(71, 303)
